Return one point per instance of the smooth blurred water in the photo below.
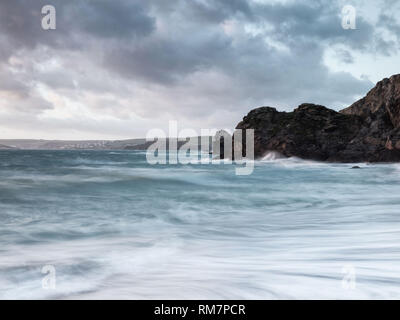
(115, 227)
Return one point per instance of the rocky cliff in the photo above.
(368, 130)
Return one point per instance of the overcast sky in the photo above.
(114, 69)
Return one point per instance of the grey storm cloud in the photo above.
(258, 67)
(316, 20)
(20, 20)
(179, 57)
(104, 18)
(216, 11)
(389, 23)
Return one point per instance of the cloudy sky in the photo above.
(114, 69)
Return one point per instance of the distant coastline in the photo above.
(39, 144)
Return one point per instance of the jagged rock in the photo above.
(369, 130)
(382, 100)
(219, 140)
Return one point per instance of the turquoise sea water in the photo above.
(113, 226)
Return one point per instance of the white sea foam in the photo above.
(272, 156)
(137, 231)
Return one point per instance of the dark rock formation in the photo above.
(367, 131)
(218, 144)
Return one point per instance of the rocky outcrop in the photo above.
(367, 131)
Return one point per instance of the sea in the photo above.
(109, 225)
